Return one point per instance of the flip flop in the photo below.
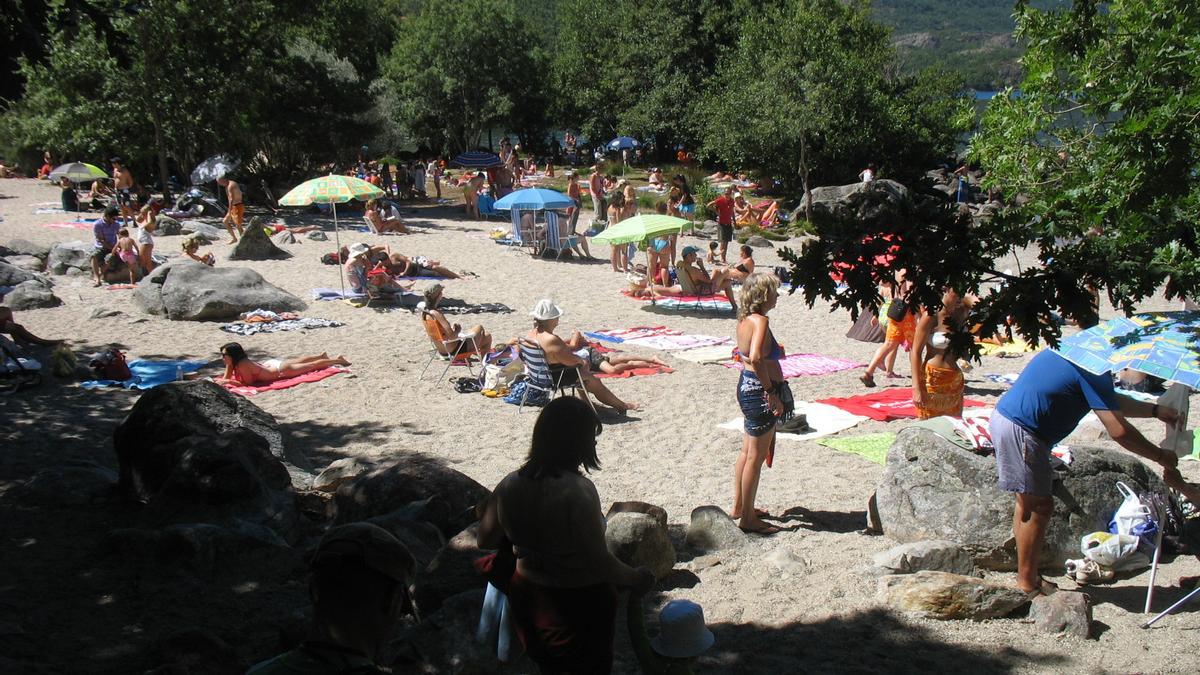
(867, 380)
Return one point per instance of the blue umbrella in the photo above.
(1163, 344)
(533, 199)
(622, 143)
(477, 160)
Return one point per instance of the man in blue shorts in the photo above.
(1044, 406)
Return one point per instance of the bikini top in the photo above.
(776, 352)
(939, 340)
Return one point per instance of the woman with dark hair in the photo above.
(687, 203)
(240, 370)
(563, 593)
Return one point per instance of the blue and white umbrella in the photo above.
(477, 160)
(533, 199)
(622, 143)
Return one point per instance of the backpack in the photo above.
(110, 365)
(897, 310)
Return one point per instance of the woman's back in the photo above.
(543, 518)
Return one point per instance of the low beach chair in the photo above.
(689, 288)
(555, 240)
(372, 293)
(440, 343)
(539, 377)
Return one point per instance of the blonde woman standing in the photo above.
(762, 395)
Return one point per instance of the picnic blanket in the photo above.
(1015, 348)
(278, 326)
(286, 383)
(872, 447)
(884, 405)
(148, 374)
(796, 365)
(824, 419)
(713, 354)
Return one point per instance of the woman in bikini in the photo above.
(616, 213)
(760, 394)
(147, 223)
(745, 266)
(240, 370)
(937, 380)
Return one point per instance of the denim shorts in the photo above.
(752, 399)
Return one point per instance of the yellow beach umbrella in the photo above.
(332, 189)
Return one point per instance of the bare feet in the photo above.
(231, 241)
(341, 361)
(631, 405)
(758, 527)
(659, 361)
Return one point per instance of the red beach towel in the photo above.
(286, 383)
(888, 404)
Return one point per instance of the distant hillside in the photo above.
(973, 38)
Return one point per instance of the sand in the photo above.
(796, 601)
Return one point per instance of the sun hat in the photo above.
(682, 633)
(369, 545)
(358, 249)
(688, 250)
(546, 310)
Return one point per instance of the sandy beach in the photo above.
(798, 601)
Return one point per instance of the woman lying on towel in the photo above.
(361, 271)
(937, 380)
(400, 265)
(240, 370)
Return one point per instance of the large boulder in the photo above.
(198, 408)
(640, 540)
(26, 247)
(862, 201)
(411, 525)
(933, 489)
(940, 595)
(712, 529)
(255, 244)
(67, 255)
(200, 229)
(339, 471)
(283, 238)
(190, 291)
(412, 478)
(28, 263)
(452, 571)
(32, 294)
(940, 556)
(11, 275)
(167, 226)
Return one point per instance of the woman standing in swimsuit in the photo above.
(239, 369)
(616, 213)
(759, 392)
(937, 380)
(563, 593)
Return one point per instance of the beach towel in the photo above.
(683, 303)
(148, 374)
(286, 383)
(283, 325)
(68, 226)
(713, 354)
(636, 372)
(455, 307)
(1009, 349)
(872, 447)
(884, 405)
(867, 328)
(796, 365)
(623, 334)
(824, 419)
(676, 342)
(335, 294)
(1008, 378)
(48, 209)
(120, 287)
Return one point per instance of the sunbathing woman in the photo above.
(720, 177)
(745, 266)
(656, 178)
(375, 215)
(239, 369)
(439, 328)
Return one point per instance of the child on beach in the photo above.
(712, 258)
(127, 250)
(191, 245)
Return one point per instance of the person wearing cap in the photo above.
(705, 283)
(682, 636)
(359, 590)
(563, 361)
(563, 591)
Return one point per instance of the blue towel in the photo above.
(602, 337)
(335, 294)
(149, 374)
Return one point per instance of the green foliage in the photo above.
(462, 68)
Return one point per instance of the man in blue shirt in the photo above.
(104, 232)
(1044, 406)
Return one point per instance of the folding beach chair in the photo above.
(689, 288)
(371, 292)
(466, 351)
(555, 240)
(524, 231)
(539, 377)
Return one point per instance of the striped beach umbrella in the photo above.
(333, 189)
(477, 160)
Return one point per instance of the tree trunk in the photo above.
(803, 170)
(162, 154)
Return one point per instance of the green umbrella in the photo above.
(640, 228)
(78, 172)
(333, 189)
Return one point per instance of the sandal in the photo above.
(867, 380)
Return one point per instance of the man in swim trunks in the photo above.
(237, 209)
(123, 185)
(724, 206)
(705, 284)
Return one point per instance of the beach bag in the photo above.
(1133, 517)
(897, 309)
(110, 365)
(1115, 551)
(501, 373)
(537, 397)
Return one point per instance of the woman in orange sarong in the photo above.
(937, 381)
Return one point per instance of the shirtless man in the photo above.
(123, 185)
(237, 208)
(559, 356)
(705, 283)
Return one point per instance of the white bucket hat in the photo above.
(682, 633)
(545, 310)
(358, 249)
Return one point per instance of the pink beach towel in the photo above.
(796, 365)
(314, 376)
(69, 226)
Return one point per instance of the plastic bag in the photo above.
(1132, 516)
(1114, 551)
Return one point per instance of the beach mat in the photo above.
(676, 342)
(286, 383)
(1017, 347)
(254, 328)
(68, 226)
(798, 365)
(636, 372)
(872, 447)
(867, 329)
(884, 405)
(824, 419)
(713, 354)
(148, 374)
